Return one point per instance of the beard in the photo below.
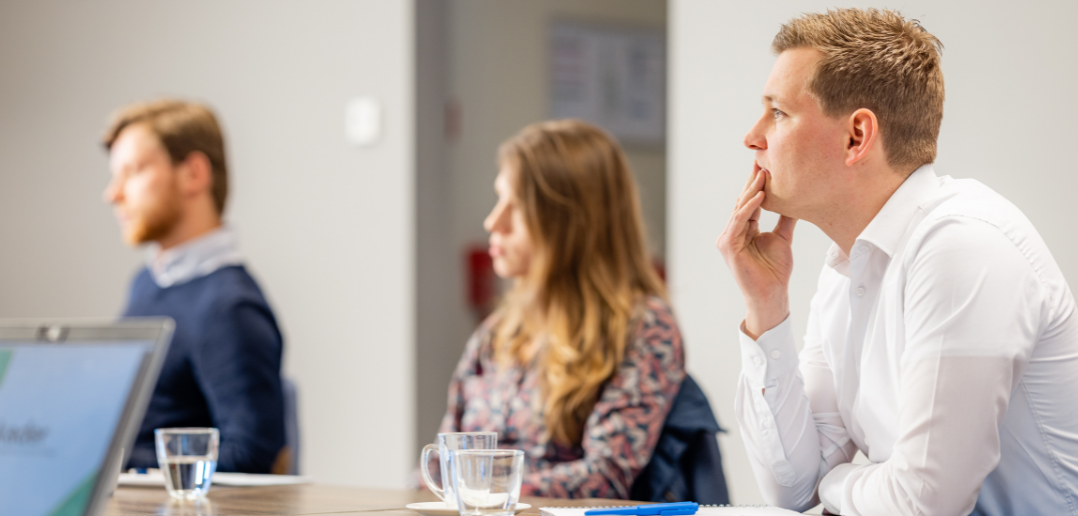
(157, 221)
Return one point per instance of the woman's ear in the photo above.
(863, 128)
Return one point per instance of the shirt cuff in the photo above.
(832, 489)
(769, 357)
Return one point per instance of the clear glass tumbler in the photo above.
(188, 458)
(487, 482)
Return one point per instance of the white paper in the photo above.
(704, 511)
(157, 479)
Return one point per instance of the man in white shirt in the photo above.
(943, 339)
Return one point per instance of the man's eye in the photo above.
(777, 114)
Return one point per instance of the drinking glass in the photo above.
(448, 442)
(188, 458)
(487, 482)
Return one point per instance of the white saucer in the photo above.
(442, 509)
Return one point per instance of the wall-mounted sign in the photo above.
(612, 77)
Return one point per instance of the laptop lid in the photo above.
(72, 397)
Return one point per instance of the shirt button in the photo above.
(757, 360)
(860, 291)
(765, 424)
(775, 354)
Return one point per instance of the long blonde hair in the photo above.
(589, 272)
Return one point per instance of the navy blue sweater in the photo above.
(222, 369)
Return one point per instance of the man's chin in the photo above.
(770, 205)
(133, 239)
(137, 235)
(777, 206)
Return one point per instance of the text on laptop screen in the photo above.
(60, 405)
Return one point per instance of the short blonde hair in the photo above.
(183, 128)
(878, 60)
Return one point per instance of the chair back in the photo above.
(291, 424)
(687, 464)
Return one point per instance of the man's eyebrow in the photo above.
(772, 99)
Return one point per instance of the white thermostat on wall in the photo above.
(362, 121)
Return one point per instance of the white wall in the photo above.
(495, 70)
(498, 76)
(328, 229)
(442, 320)
(1010, 118)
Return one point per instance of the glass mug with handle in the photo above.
(447, 443)
(487, 482)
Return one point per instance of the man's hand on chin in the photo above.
(761, 262)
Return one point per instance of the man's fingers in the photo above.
(752, 177)
(738, 225)
(785, 227)
(746, 213)
(755, 186)
(741, 196)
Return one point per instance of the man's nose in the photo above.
(754, 139)
(113, 192)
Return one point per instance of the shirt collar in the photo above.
(886, 229)
(193, 259)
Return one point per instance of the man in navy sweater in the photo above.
(169, 185)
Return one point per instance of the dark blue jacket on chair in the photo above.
(687, 464)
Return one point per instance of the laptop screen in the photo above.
(60, 405)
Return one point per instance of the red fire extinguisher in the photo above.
(482, 281)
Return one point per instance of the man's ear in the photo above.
(196, 174)
(863, 129)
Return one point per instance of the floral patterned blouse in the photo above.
(619, 435)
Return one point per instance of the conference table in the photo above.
(304, 499)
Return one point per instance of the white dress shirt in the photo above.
(944, 347)
(193, 259)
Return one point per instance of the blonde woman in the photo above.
(580, 364)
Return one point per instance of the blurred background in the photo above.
(362, 138)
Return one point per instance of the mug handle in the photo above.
(425, 469)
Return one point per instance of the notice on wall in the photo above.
(612, 77)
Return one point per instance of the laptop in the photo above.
(72, 397)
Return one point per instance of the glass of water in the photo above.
(448, 442)
(188, 458)
(487, 482)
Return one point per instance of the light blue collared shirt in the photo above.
(193, 259)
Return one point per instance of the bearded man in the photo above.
(168, 188)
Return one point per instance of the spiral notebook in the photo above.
(705, 510)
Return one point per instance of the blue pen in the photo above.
(658, 509)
